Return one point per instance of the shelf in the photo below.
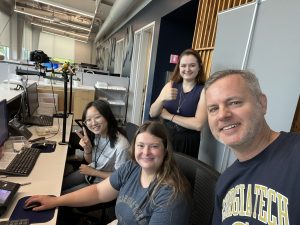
(113, 88)
(115, 91)
(116, 102)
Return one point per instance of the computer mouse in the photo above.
(31, 205)
(40, 145)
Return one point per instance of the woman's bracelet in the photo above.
(173, 117)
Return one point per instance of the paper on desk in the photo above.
(6, 159)
(18, 146)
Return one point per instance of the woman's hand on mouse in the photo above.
(46, 201)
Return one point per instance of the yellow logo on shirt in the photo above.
(258, 202)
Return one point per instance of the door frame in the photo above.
(140, 67)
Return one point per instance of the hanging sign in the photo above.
(174, 59)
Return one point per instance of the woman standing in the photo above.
(181, 103)
(149, 188)
(105, 147)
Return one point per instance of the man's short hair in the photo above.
(249, 77)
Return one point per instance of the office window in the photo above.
(4, 51)
(25, 54)
(106, 59)
(57, 47)
(119, 56)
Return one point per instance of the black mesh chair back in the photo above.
(130, 129)
(203, 180)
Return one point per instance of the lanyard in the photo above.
(101, 151)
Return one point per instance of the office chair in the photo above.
(203, 180)
(72, 146)
(130, 129)
(98, 219)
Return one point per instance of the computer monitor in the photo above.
(32, 98)
(14, 107)
(3, 122)
(50, 66)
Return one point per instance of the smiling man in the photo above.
(262, 185)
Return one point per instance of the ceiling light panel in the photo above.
(47, 32)
(33, 15)
(67, 8)
(52, 28)
(75, 26)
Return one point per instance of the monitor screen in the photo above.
(49, 66)
(3, 122)
(32, 98)
(4, 195)
(14, 107)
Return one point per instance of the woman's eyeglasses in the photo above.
(88, 122)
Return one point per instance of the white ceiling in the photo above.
(86, 20)
(80, 19)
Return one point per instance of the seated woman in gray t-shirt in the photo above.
(149, 188)
(105, 147)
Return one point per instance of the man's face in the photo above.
(234, 114)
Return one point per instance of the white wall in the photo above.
(5, 34)
(83, 52)
(273, 56)
(27, 37)
(61, 47)
(21, 34)
(13, 43)
(56, 46)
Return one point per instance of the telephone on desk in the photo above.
(17, 129)
(8, 191)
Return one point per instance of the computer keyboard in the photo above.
(15, 222)
(23, 163)
(42, 120)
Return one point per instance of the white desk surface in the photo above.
(7, 93)
(47, 174)
(41, 83)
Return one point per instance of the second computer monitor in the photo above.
(14, 107)
(32, 98)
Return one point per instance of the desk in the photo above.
(7, 93)
(47, 174)
(81, 94)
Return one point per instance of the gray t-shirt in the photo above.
(109, 159)
(133, 206)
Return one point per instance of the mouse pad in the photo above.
(48, 148)
(34, 217)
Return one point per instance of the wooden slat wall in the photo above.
(206, 25)
(296, 122)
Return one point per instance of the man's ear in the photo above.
(263, 102)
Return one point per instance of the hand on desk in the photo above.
(45, 201)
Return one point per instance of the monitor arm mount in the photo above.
(65, 79)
